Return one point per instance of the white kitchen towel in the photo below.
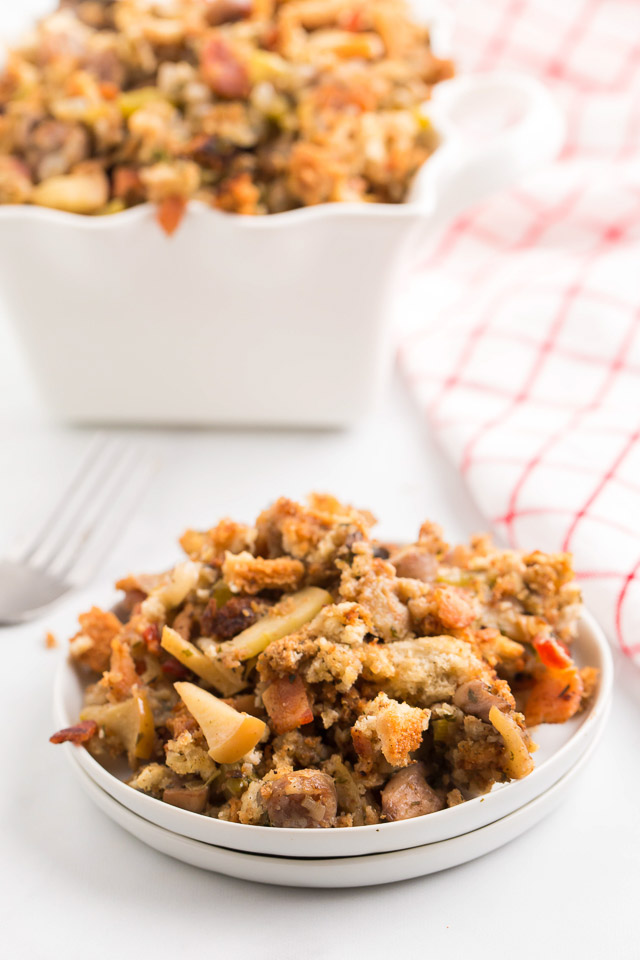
(526, 359)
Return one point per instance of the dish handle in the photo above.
(495, 127)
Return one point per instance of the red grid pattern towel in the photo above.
(528, 363)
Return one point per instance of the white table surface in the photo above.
(74, 885)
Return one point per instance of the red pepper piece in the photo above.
(552, 653)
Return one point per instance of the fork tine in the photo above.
(97, 516)
(93, 451)
(108, 526)
(82, 505)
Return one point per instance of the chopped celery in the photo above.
(442, 730)
(132, 100)
(289, 615)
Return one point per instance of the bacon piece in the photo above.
(223, 72)
(175, 670)
(171, 210)
(151, 637)
(78, 734)
(287, 704)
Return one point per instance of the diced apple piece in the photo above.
(146, 729)
(131, 721)
(229, 734)
(287, 616)
(287, 704)
(73, 192)
(184, 578)
(519, 762)
(224, 679)
(230, 679)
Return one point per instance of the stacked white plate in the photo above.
(354, 856)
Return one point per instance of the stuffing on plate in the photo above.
(299, 673)
(252, 106)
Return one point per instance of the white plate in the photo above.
(560, 747)
(337, 872)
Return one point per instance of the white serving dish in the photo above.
(279, 319)
(560, 747)
(338, 872)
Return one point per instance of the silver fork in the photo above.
(77, 533)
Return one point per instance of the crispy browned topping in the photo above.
(251, 108)
(91, 646)
(245, 573)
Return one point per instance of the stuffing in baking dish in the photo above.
(299, 673)
(252, 106)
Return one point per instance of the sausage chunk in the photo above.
(188, 798)
(306, 798)
(476, 698)
(409, 795)
(415, 564)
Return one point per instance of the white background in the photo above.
(73, 885)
